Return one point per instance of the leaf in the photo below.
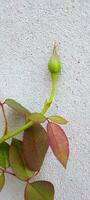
(4, 155)
(58, 142)
(17, 161)
(17, 106)
(35, 145)
(37, 117)
(2, 180)
(58, 119)
(40, 190)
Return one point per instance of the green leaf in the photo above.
(2, 180)
(40, 190)
(58, 119)
(17, 161)
(35, 145)
(58, 142)
(4, 155)
(17, 106)
(37, 117)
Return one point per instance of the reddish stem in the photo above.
(10, 173)
(7, 172)
(5, 119)
(48, 120)
(35, 174)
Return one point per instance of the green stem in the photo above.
(43, 111)
(16, 132)
(48, 102)
(54, 80)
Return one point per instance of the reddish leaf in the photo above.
(35, 145)
(17, 161)
(58, 142)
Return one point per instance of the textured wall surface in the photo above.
(28, 30)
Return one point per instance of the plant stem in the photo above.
(54, 80)
(16, 132)
(7, 172)
(46, 106)
(5, 120)
(43, 111)
(48, 102)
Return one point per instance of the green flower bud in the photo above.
(54, 64)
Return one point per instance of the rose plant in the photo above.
(26, 156)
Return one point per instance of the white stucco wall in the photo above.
(28, 30)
